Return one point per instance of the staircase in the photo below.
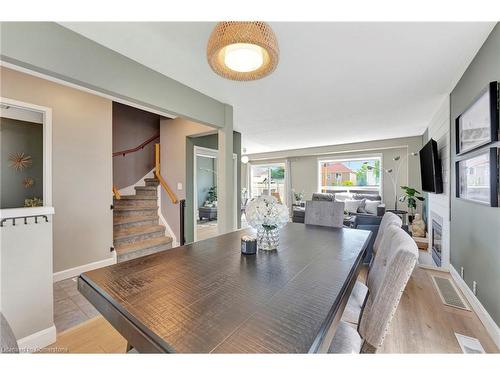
(136, 229)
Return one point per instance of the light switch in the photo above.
(179, 186)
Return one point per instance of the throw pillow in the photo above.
(361, 208)
(352, 205)
(340, 197)
(371, 206)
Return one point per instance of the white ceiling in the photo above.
(335, 83)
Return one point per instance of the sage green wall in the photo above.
(49, 48)
(475, 229)
(207, 141)
(304, 163)
(20, 136)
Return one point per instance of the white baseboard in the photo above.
(76, 271)
(486, 319)
(37, 340)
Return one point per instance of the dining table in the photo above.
(208, 297)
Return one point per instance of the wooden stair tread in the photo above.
(140, 245)
(136, 208)
(117, 220)
(140, 229)
(138, 197)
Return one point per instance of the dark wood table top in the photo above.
(207, 297)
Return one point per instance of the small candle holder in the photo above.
(248, 245)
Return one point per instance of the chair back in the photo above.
(277, 196)
(325, 213)
(391, 270)
(8, 342)
(387, 220)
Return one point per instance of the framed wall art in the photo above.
(477, 177)
(478, 124)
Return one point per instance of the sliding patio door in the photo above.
(268, 179)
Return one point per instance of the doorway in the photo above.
(205, 193)
(268, 179)
(205, 182)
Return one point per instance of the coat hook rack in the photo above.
(25, 219)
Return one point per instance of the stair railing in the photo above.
(116, 193)
(140, 147)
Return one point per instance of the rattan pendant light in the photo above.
(242, 51)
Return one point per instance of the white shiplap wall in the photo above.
(439, 130)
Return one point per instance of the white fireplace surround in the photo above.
(439, 204)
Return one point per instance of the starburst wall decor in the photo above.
(20, 161)
(28, 182)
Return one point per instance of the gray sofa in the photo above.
(299, 212)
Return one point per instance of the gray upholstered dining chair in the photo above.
(8, 342)
(391, 271)
(387, 220)
(352, 311)
(327, 214)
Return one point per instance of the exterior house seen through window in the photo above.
(349, 174)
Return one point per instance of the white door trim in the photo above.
(208, 153)
(47, 143)
(211, 153)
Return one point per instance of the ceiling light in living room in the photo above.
(242, 51)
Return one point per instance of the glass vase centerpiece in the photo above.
(267, 216)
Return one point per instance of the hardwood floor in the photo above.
(94, 336)
(422, 324)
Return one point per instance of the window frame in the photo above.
(340, 159)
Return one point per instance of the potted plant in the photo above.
(211, 197)
(299, 197)
(411, 196)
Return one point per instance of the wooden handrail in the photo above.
(163, 183)
(116, 193)
(140, 147)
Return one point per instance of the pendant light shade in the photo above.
(242, 51)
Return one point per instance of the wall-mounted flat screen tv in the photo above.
(430, 168)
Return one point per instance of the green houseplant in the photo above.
(411, 196)
(211, 197)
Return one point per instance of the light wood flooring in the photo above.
(206, 229)
(422, 324)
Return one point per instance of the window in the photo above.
(346, 174)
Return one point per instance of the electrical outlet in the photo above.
(179, 186)
(462, 272)
(474, 288)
